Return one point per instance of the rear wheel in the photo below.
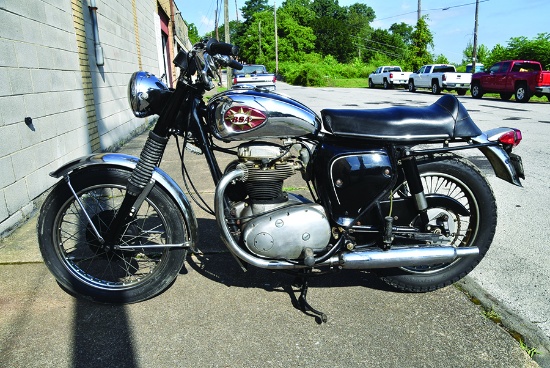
(371, 85)
(411, 86)
(435, 88)
(386, 84)
(99, 271)
(463, 182)
(522, 93)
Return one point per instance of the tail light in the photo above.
(391, 75)
(444, 77)
(274, 79)
(511, 138)
(234, 80)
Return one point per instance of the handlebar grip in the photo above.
(214, 47)
(235, 65)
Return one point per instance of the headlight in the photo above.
(146, 94)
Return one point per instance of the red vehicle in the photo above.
(522, 78)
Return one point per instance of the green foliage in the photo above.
(537, 49)
(193, 33)
(441, 59)
(483, 54)
(422, 38)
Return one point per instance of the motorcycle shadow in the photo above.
(215, 262)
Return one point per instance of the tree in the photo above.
(293, 39)
(252, 7)
(381, 41)
(403, 30)
(422, 38)
(522, 48)
(193, 33)
(482, 54)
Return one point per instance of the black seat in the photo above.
(446, 119)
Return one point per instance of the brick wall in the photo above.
(48, 73)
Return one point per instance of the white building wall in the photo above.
(41, 78)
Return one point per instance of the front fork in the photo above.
(139, 185)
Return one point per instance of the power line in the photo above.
(426, 10)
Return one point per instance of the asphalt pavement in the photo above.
(216, 315)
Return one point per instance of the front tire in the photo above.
(87, 268)
(461, 180)
(476, 91)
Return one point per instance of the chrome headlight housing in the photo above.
(146, 94)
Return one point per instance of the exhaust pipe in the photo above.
(367, 259)
(403, 257)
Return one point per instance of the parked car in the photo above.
(252, 76)
(439, 77)
(389, 77)
(479, 68)
(522, 78)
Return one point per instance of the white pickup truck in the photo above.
(388, 77)
(438, 77)
(253, 76)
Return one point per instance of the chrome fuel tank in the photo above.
(253, 114)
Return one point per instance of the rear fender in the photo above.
(497, 156)
(129, 163)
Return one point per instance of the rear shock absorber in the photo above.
(415, 186)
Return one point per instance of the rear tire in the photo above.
(461, 180)
(371, 85)
(411, 86)
(435, 88)
(85, 267)
(522, 93)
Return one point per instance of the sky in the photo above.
(451, 22)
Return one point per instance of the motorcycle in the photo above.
(389, 193)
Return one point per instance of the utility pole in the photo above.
(227, 38)
(419, 10)
(276, 40)
(260, 36)
(474, 54)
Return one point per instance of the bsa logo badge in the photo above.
(243, 118)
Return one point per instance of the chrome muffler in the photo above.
(360, 260)
(403, 257)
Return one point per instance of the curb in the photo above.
(514, 324)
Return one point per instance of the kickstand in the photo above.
(302, 301)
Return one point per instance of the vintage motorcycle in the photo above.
(388, 192)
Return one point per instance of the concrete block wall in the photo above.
(48, 73)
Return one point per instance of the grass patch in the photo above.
(348, 82)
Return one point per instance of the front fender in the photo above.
(130, 162)
(499, 159)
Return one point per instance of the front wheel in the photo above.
(476, 91)
(102, 272)
(461, 181)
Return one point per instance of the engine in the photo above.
(276, 224)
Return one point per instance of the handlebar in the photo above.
(214, 47)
